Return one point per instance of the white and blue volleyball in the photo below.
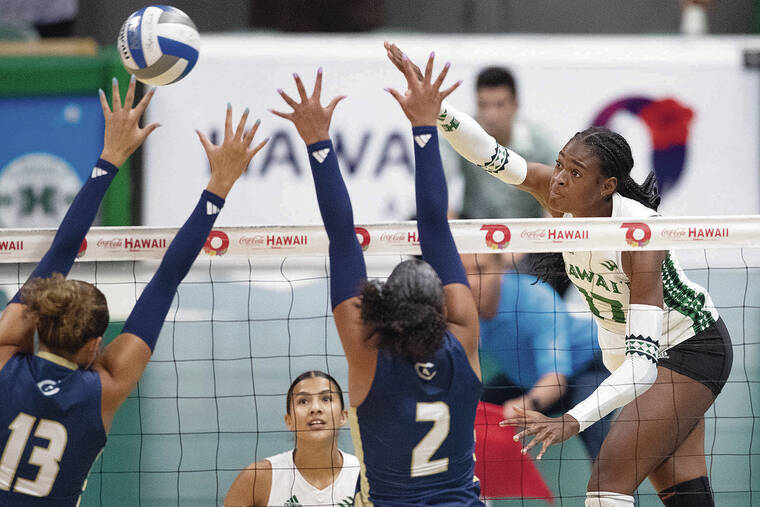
(159, 44)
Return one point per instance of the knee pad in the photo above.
(691, 493)
(607, 499)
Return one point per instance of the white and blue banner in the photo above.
(688, 107)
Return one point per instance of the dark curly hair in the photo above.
(405, 314)
(615, 160)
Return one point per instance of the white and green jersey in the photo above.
(600, 279)
(290, 489)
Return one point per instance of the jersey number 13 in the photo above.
(46, 458)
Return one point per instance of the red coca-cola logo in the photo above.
(253, 241)
(675, 234)
(497, 236)
(217, 243)
(110, 243)
(393, 237)
(363, 237)
(533, 234)
(637, 234)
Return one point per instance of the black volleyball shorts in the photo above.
(705, 357)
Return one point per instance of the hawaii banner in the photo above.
(688, 107)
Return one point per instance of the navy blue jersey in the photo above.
(414, 433)
(51, 430)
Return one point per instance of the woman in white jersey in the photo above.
(315, 472)
(662, 338)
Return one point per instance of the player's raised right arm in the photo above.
(124, 360)
(420, 104)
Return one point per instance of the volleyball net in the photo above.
(254, 313)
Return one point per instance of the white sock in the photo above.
(607, 499)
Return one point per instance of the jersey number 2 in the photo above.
(46, 458)
(438, 413)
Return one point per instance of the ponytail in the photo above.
(646, 193)
(616, 160)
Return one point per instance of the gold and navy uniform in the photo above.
(51, 430)
(413, 434)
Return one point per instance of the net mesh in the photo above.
(254, 313)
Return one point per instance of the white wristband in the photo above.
(469, 139)
(632, 378)
(643, 330)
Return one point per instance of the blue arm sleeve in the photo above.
(77, 221)
(347, 268)
(147, 317)
(436, 241)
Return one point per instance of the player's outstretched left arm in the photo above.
(421, 104)
(122, 136)
(124, 360)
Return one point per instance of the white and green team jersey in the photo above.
(600, 279)
(290, 489)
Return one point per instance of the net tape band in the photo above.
(402, 238)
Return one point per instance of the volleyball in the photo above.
(159, 44)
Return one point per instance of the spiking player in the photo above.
(411, 342)
(662, 338)
(58, 404)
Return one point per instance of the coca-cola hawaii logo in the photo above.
(497, 236)
(132, 244)
(554, 235)
(363, 236)
(217, 243)
(694, 233)
(637, 234)
(274, 241)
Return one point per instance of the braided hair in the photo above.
(615, 160)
